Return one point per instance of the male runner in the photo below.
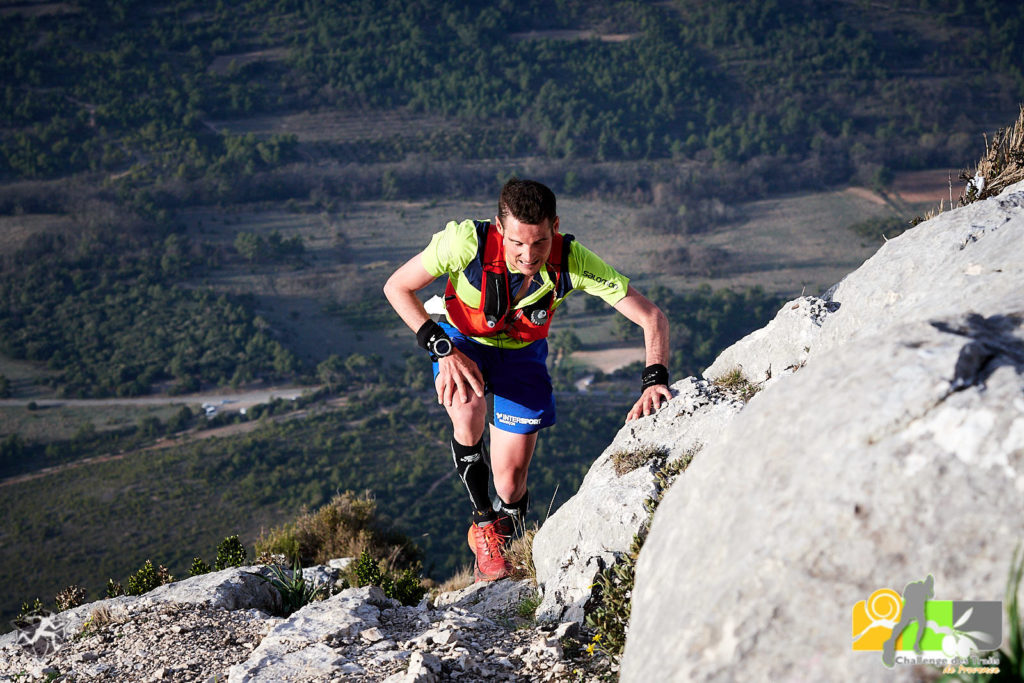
(505, 279)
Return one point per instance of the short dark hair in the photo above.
(528, 201)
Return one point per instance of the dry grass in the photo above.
(1002, 165)
(102, 617)
(461, 579)
(736, 384)
(519, 552)
(628, 460)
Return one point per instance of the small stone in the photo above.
(371, 635)
(569, 629)
(445, 637)
(428, 661)
(352, 668)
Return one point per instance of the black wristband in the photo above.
(428, 331)
(653, 375)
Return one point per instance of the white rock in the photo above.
(371, 635)
(594, 527)
(230, 589)
(896, 452)
(295, 647)
(487, 597)
(779, 348)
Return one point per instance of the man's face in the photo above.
(527, 246)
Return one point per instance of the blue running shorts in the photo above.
(523, 398)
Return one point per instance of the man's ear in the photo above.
(501, 230)
(554, 226)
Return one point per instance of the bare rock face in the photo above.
(896, 452)
(779, 348)
(597, 524)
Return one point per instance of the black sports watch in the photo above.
(440, 347)
(432, 337)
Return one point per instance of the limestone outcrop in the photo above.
(591, 529)
(896, 451)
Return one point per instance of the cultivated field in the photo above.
(329, 300)
(787, 245)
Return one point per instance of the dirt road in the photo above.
(224, 400)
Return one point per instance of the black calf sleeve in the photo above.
(516, 511)
(471, 464)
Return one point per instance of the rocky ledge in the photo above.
(219, 626)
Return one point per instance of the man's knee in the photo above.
(468, 419)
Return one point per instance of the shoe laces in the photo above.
(493, 540)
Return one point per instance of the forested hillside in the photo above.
(96, 85)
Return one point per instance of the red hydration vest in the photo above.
(495, 314)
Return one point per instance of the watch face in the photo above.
(442, 347)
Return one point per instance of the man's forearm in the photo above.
(639, 310)
(656, 338)
(407, 305)
(400, 291)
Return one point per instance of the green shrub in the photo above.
(230, 553)
(28, 609)
(198, 567)
(344, 527)
(406, 587)
(609, 614)
(368, 572)
(294, 591)
(147, 578)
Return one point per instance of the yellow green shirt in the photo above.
(455, 249)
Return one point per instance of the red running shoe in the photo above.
(487, 543)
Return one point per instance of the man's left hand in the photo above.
(650, 401)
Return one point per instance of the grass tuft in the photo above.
(519, 552)
(626, 461)
(735, 383)
(461, 579)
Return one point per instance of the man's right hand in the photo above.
(457, 374)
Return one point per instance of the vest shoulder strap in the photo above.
(564, 281)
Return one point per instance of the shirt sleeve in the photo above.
(450, 250)
(592, 275)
